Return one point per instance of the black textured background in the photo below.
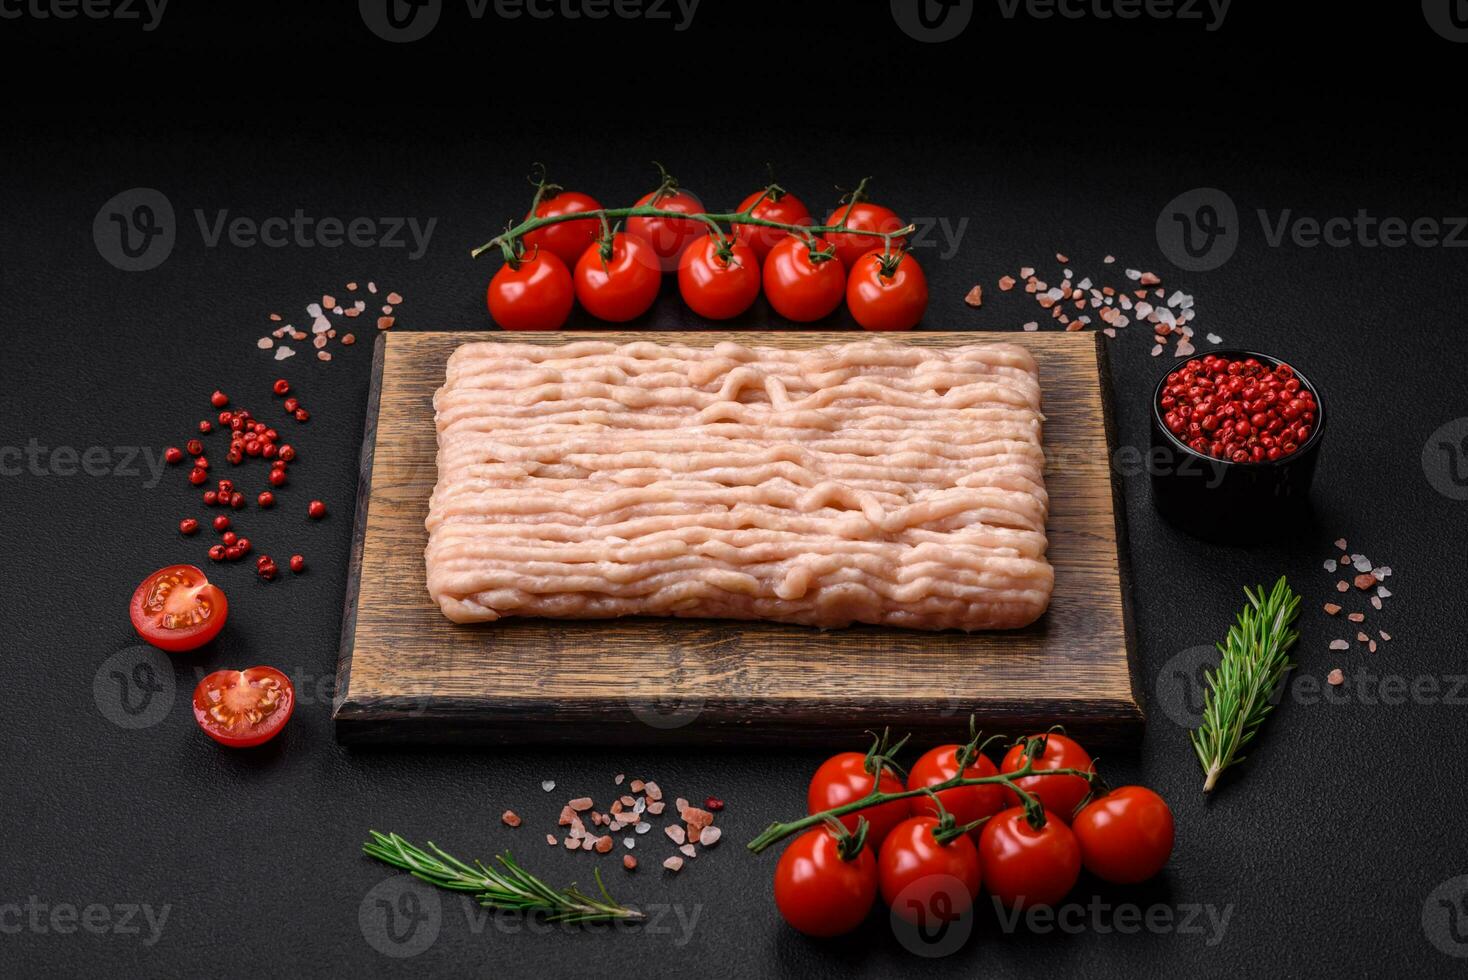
(1045, 136)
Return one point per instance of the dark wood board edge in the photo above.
(475, 721)
(359, 530)
(1118, 513)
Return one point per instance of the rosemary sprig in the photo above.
(512, 889)
(1255, 658)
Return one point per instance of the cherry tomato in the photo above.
(887, 292)
(1025, 866)
(1059, 793)
(241, 708)
(567, 239)
(536, 296)
(621, 287)
(843, 779)
(717, 286)
(176, 609)
(786, 209)
(926, 882)
(800, 287)
(863, 216)
(668, 236)
(966, 803)
(817, 891)
(1126, 835)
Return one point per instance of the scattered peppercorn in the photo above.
(266, 499)
(173, 455)
(1242, 411)
(316, 509)
(282, 387)
(188, 526)
(219, 399)
(298, 564)
(221, 523)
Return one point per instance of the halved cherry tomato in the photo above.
(567, 239)
(887, 292)
(1059, 793)
(1126, 835)
(668, 236)
(817, 891)
(966, 803)
(176, 609)
(864, 216)
(780, 206)
(801, 286)
(844, 779)
(535, 296)
(241, 708)
(718, 280)
(622, 286)
(923, 881)
(1023, 866)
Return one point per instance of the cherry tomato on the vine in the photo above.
(844, 779)
(241, 708)
(1059, 793)
(785, 208)
(800, 286)
(567, 239)
(966, 803)
(718, 280)
(622, 286)
(669, 236)
(1126, 835)
(535, 296)
(177, 609)
(863, 216)
(1023, 866)
(887, 292)
(926, 882)
(819, 892)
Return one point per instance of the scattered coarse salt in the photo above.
(384, 323)
(1360, 564)
(265, 343)
(1365, 581)
(1336, 678)
(1371, 645)
(348, 339)
(1330, 565)
(1342, 586)
(1376, 602)
(689, 850)
(1109, 260)
(1032, 326)
(709, 836)
(975, 297)
(1332, 608)
(550, 839)
(1383, 592)
(1006, 283)
(510, 818)
(629, 842)
(1339, 645)
(372, 288)
(281, 353)
(548, 785)
(394, 298)
(629, 862)
(643, 828)
(673, 864)
(618, 778)
(581, 804)
(1361, 637)
(1384, 634)
(652, 791)
(1340, 544)
(603, 844)
(323, 355)
(675, 833)
(1156, 350)
(1357, 617)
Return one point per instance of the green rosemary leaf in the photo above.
(509, 888)
(1255, 658)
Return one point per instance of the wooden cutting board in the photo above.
(408, 674)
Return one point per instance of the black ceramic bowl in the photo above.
(1219, 499)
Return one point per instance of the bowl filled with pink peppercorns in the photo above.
(1235, 438)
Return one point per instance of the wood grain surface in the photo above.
(408, 674)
